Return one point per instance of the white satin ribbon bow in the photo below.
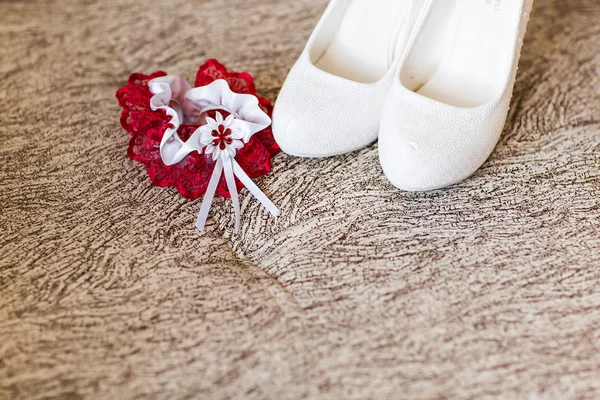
(219, 137)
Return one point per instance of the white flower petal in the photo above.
(236, 134)
(219, 118)
(206, 129)
(229, 120)
(211, 122)
(206, 138)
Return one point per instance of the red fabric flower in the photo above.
(191, 176)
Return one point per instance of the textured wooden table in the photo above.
(487, 289)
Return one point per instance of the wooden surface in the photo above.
(487, 289)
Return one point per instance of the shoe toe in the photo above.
(296, 135)
(407, 165)
(319, 115)
(424, 149)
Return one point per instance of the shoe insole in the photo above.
(463, 52)
(362, 47)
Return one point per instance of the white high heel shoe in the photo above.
(450, 97)
(332, 99)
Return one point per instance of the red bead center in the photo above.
(221, 137)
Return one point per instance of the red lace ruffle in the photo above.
(190, 177)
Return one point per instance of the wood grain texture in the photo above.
(488, 289)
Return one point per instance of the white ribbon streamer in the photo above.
(209, 195)
(220, 138)
(230, 180)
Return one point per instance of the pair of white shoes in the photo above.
(432, 79)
